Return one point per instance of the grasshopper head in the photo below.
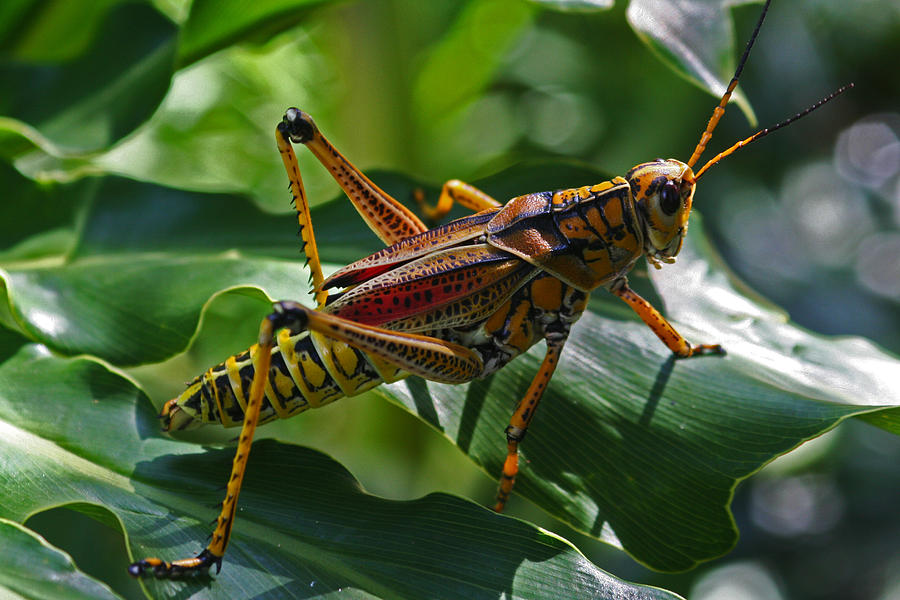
(663, 191)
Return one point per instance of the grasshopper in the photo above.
(449, 304)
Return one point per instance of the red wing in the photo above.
(438, 279)
(404, 251)
(468, 309)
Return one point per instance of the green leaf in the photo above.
(95, 98)
(132, 279)
(212, 132)
(845, 371)
(30, 34)
(215, 129)
(35, 224)
(32, 568)
(216, 24)
(696, 38)
(631, 446)
(315, 533)
(645, 451)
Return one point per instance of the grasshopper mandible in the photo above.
(449, 304)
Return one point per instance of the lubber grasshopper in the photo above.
(449, 304)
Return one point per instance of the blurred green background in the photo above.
(809, 217)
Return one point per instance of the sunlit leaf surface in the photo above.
(630, 445)
(696, 37)
(315, 533)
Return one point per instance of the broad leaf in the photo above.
(695, 37)
(630, 445)
(213, 25)
(31, 568)
(76, 433)
(213, 124)
(89, 93)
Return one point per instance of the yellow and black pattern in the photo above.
(310, 369)
(585, 236)
(543, 309)
(307, 370)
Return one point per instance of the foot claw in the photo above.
(178, 568)
(703, 349)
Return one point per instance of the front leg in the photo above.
(521, 419)
(673, 340)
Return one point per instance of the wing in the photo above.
(452, 234)
(444, 288)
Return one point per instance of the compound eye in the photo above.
(670, 198)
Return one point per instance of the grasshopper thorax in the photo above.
(663, 191)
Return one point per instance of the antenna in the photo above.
(720, 109)
(768, 130)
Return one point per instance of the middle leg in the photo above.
(521, 419)
(455, 191)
